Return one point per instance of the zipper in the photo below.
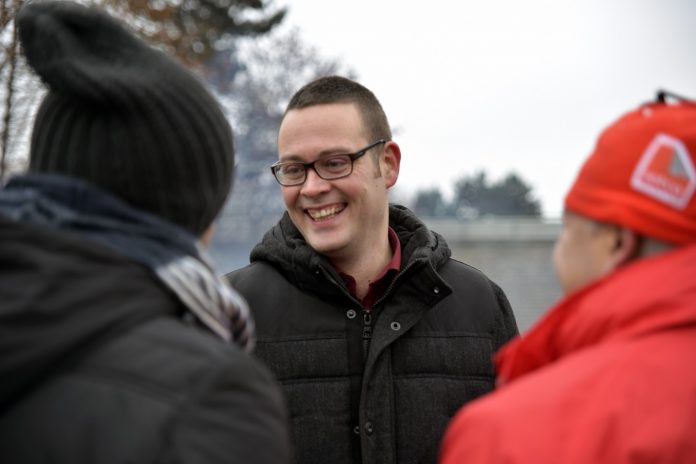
(335, 283)
(393, 282)
(367, 331)
(367, 313)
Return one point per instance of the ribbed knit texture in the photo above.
(125, 116)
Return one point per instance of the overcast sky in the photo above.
(504, 85)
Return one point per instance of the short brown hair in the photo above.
(337, 89)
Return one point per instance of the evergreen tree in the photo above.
(430, 203)
(193, 30)
(510, 196)
(475, 195)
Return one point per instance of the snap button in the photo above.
(436, 290)
(395, 326)
(350, 314)
(356, 430)
(369, 428)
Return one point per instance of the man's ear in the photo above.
(626, 247)
(390, 163)
(207, 235)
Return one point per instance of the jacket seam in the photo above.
(310, 380)
(444, 376)
(190, 399)
(131, 382)
(448, 335)
(299, 338)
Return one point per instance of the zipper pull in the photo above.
(367, 324)
(367, 332)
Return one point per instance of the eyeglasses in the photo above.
(331, 167)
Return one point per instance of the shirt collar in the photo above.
(379, 284)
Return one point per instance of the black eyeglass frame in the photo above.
(275, 167)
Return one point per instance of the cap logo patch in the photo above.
(666, 172)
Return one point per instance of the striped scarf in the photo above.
(173, 254)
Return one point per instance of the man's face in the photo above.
(583, 251)
(340, 218)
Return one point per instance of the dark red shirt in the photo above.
(380, 284)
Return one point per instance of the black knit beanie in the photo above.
(125, 116)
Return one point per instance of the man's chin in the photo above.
(331, 247)
(324, 247)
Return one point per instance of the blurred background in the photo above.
(495, 104)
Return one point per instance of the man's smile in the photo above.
(326, 212)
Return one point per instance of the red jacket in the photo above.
(608, 376)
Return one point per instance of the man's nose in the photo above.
(313, 184)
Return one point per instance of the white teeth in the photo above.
(324, 212)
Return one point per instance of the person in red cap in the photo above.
(607, 376)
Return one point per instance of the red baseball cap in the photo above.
(642, 172)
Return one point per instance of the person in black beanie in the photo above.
(119, 342)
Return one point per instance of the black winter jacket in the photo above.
(97, 366)
(376, 387)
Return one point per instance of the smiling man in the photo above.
(376, 335)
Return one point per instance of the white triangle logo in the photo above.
(665, 172)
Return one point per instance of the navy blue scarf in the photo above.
(171, 252)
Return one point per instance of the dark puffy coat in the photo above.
(97, 366)
(428, 346)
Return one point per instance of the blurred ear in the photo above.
(207, 235)
(390, 162)
(626, 247)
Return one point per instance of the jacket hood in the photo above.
(650, 295)
(285, 248)
(62, 297)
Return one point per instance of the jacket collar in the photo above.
(653, 294)
(284, 247)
